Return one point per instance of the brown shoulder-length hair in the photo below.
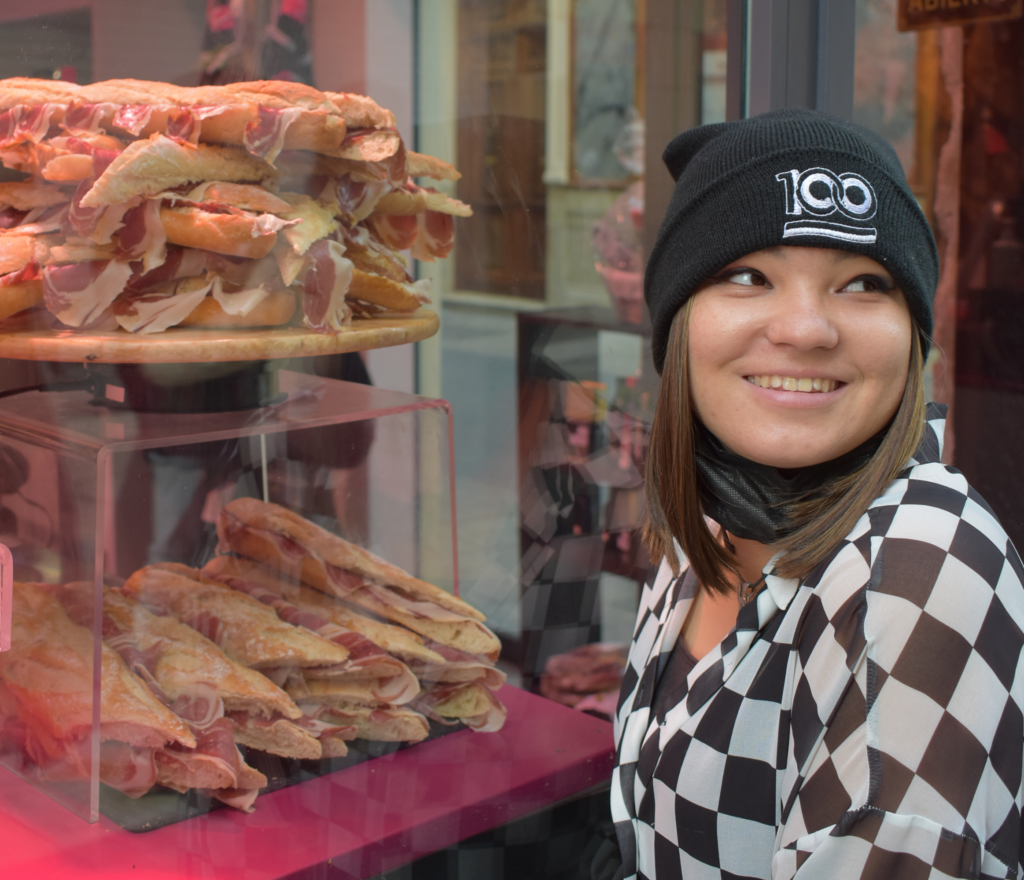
(820, 520)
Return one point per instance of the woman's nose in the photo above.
(801, 318)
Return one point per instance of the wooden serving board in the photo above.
(195, 345)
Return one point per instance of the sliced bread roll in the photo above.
(246, 630)
(148, 167)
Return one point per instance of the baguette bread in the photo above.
(246, 630)
(277, 309)
(381, 291)
(276, 736)
(149, 167)
(185, 666)
(415, 200)
(235, 235)
(429, 665)
(16, 298)
(422, 165)
(379, 725)
(396, 640)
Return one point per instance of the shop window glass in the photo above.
(947, 97)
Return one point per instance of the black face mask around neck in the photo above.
(754, 501)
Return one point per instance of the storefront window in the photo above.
(943, 95)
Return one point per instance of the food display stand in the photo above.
(353, 824)
(384, 808)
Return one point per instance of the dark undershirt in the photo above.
(671, 687)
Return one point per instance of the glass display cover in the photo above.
(136, 686)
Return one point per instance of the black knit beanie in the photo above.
(789, 177)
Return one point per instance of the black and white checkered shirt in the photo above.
(864, 723)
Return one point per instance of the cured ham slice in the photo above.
(178, 263)
(358, 198)
(80, 292)
(155, 312)
(264, 135)
(436, 236)
(25, 123)
(326, 283)
(88, 117)
(142, 236)
(471, 703)
(132, 118)
(239, 302)
(397, 231)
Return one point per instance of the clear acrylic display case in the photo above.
(92, 492)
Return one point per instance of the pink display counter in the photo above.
(355, 823)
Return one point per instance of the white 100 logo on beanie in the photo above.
(821, 193)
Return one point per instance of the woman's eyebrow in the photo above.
(839, 256)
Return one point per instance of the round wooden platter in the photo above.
(195, 345)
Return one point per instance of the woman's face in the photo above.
(798, 355)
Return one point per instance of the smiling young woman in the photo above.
(823, 680)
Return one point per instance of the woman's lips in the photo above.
(791, 383)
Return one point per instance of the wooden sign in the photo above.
(917, 15)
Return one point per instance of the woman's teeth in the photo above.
(788, 383)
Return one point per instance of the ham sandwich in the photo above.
(147, 206)
(252, 633)
(302, 551)
(334, 585)
(181, 661)
(430, 662)
(46, 700)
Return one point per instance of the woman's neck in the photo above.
(751, 557)
(713, 615)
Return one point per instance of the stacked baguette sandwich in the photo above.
(292, 642)
(146, 736)
(289, 654)
(148, 206)
(284, 559)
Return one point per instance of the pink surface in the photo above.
(362, 821)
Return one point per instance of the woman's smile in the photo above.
(798, 355)
(792, 383)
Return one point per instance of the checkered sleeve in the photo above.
(907, 727)
(630, 722)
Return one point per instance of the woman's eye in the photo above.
(746, 277)
(868, 284)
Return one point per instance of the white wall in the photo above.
(389, 81)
